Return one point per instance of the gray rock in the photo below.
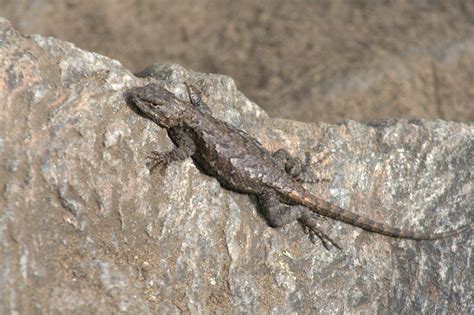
(85, 228)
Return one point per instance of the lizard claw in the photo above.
(314, 232)
(323, 237)
(155, 159)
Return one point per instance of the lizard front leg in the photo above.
(279, 214)
(195, 96)
(184, 148)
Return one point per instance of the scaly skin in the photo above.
(242, 164)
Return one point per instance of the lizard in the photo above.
(240, 163)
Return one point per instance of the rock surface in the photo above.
(85, 228)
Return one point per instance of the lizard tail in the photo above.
(334, 212)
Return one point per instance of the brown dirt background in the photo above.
(304, 60)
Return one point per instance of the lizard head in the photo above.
(158, 104)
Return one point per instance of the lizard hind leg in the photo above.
(278, 215)
(294, 167)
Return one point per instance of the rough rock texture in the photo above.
(85, 228)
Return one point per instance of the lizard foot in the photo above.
(156, 159)
(310, 228)
(295, 167)
(323, 237)
(305, 174)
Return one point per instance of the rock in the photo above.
(85, 228)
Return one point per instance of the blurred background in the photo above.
(305, 60)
